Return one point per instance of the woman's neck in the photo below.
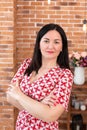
(48, 64)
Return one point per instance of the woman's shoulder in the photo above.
(26, 61)
(65, 71)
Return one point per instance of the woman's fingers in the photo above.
(13, 86)
(50, 99)
(12, 91)
(17, 82)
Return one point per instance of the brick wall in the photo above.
(19, 23)
(32, 15)
(7, 60)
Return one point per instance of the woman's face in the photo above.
(51, 45)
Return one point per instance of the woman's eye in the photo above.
(56, 42)
(46, 41)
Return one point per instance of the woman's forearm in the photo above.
(14, 102)
(34, 107)
(37, 109)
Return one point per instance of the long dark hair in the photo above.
(62, 59)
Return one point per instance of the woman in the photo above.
(41, 87)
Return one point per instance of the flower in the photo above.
(78, 59)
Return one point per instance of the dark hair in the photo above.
(62, 59)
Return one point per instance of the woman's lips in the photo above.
(50, 52)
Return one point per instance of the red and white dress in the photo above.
(60, 79)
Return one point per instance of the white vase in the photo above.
(79, 75)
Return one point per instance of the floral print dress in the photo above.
(56, 78)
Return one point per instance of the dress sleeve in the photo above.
(63, 88)
(20, 73)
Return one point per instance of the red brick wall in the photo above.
(32, 15)
(7, 60)
(18, 27)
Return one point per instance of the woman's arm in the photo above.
(48, 100)
(38, 109)
(13, 101)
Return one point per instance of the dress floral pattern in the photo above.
(56, 78)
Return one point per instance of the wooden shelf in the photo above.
(74, 111)
(84, 121)
(77, 90)
(80, 86)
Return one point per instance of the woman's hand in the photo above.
(14, 90)
(50, 99)
(13, 93)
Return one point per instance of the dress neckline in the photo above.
(42, 76)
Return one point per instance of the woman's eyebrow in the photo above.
(54, 39)
(57, 39)
(46, 38)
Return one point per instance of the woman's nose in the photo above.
(50, 45)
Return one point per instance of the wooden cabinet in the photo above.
(81, 95)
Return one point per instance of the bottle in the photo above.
(73, 100)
